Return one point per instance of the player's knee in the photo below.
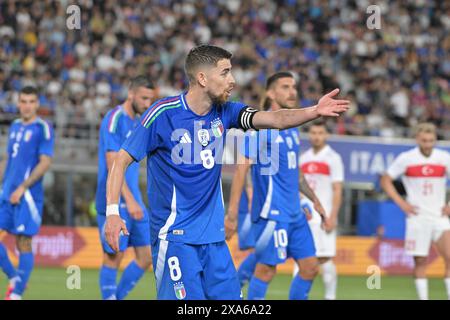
(144, 262)
(23, 244)
(112, 260)
(309, 269)
(265, 272)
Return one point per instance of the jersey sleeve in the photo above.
(144, 138)
(47, 141)
(337, 169)
(397, 168)
(112, 136)
(240, 115)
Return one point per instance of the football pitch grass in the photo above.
(50, 283)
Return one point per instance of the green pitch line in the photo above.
(50, 283)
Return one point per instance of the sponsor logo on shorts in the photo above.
(178, 232)
(180, 291)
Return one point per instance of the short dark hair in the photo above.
(204, 55)
(319, 123)
(29, 90)
(141, 81)
(279, 75)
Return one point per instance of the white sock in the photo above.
(329, 277)
(294, 273)
(13, 281)
(447, 286)
(422, 288)
(14, 296)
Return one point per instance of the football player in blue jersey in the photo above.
(183, 137)
(29, 154)
(280, 228)
(116, 126)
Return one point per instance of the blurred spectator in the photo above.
(396, 76)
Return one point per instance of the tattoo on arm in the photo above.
(305, 188)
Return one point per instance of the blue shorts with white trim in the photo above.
(276, 241)
(24, 218)
(194, 272)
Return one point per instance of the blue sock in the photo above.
(5, 263)
(130, 277)
(26, 263)
(108, 282)
(247, 268)
(299, 288)
(257, 289)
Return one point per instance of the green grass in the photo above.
(50, 283)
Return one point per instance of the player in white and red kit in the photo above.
(324, 172)
(424, 171)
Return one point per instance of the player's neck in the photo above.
(425, 154)
(199, 102)
(29, 120)
(128, 109)
(317, 149)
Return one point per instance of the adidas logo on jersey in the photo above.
(185, 138)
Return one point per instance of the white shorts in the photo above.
(325, 242)
(421, 231)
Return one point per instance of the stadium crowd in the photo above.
(396, 76)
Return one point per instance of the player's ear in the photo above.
(201, 78)
(270, 94)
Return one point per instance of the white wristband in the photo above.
(112, 210)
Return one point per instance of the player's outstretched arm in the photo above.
(237, 186)
(388, 186)
(114, 224)
(37, 173)
(289, 118)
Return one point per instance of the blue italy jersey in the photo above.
(26, 143)
(243, 203)
(275, 173)
(116, 126)
(184, 168)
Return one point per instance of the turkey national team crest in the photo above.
(217, 127)
(180, 291)
(203, 137)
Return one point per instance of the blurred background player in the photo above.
(279, 229)
(424, 171)
(191, 258)
(246, 238)
(324, 171)
(115, 128)
(30, 150)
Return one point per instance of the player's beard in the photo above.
(219, 100)
(135, 108)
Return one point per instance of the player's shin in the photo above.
(300, 288)
(130, 277)
(247, 268)
(26, 264)
(329, 277)
(257, 289)
(5, 263)
(108, 285)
